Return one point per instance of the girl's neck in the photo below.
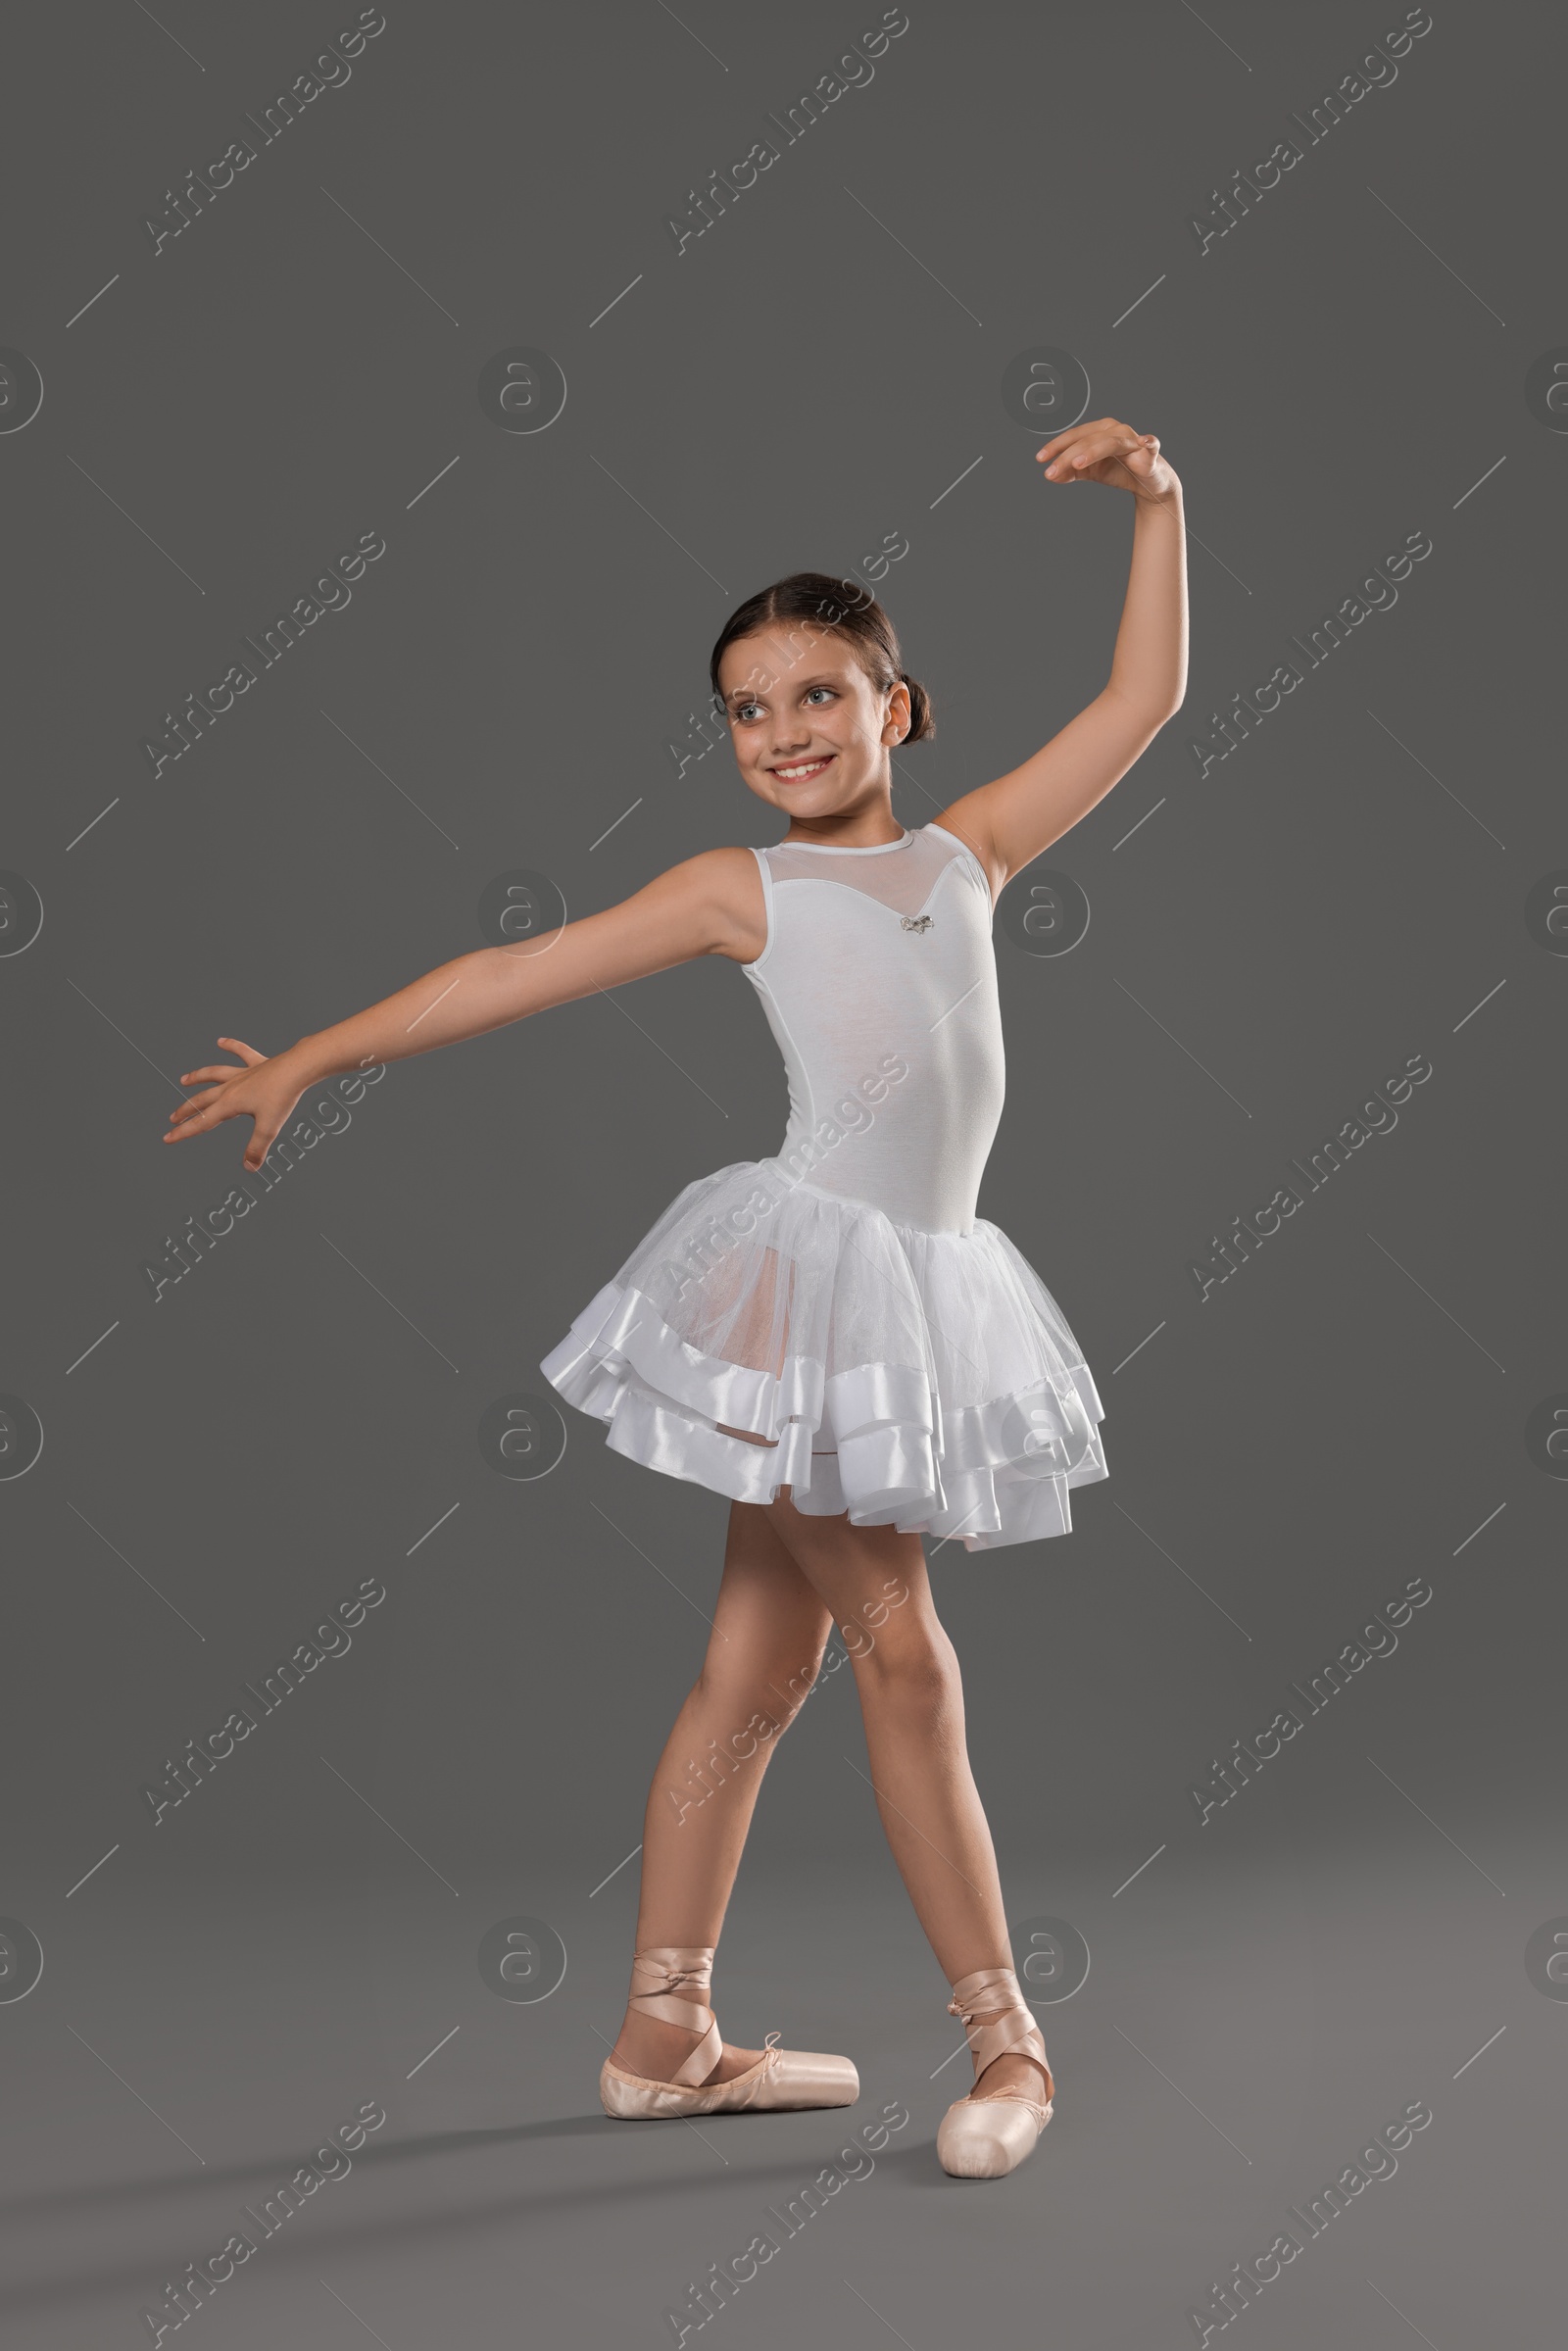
(874, 828)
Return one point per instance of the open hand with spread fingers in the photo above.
(1113, 453)
(262, 1090)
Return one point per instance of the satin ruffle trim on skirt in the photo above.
(927, 1380)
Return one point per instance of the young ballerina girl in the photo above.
(829, 1337)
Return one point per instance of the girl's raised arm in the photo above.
(712, 904)
(1012, 819)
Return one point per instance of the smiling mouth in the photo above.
(803, 772)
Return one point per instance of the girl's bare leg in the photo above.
(911, 1700)
(770, 1630)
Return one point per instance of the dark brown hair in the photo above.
(850, 612)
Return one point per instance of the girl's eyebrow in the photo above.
(754, 694)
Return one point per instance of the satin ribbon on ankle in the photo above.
(666, 1965)
(671, 1964)
(996, 1988)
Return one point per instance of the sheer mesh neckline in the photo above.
(829, 849)
(922, 859)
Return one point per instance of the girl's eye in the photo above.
(827, 689)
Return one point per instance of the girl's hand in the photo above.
(264, 1091)
(1113, 453)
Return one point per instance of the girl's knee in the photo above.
(912, 1656)
(766, 1697)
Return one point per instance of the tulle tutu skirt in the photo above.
(927, 1380)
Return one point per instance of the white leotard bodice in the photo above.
(879, 982)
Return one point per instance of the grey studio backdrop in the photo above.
(475, 314)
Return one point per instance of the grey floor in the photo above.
(1247, 2025)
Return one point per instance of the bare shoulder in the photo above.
(719, 893)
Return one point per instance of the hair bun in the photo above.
(922, 725)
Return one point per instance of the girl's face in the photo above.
(811, 731)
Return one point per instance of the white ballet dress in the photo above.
(841, 1301)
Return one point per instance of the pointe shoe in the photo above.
(780, 2078)
(983, 2137)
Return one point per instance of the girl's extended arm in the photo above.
(713, 904)
(1012, 819)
